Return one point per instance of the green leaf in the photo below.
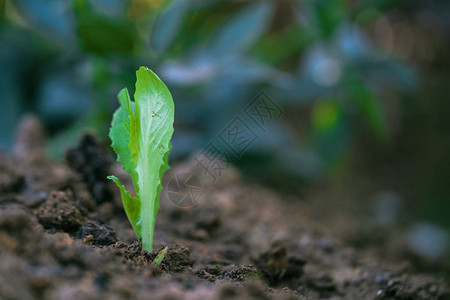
(325, 115)
(243, 29)
(99, 34)
(140, 135)
(330, 126)
(131, 206)
(120, 134)
(168, 25)
(329, 14)
(160, 257)
(371, 110)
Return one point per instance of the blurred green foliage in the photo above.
(66, 60)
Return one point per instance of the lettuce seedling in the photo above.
(140, 133)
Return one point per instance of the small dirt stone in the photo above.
(177, 259)
(34, 198)
(15, 220)
(60, 211)
(273, 262)
(241, 273)
(96, 234)
(89, 160)
(11, 178)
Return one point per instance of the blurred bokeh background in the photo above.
(363, 85)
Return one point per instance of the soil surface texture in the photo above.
(64, 235)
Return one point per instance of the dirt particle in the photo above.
(88, 239)
(278, 266)
(95, 233)
(241, 273)
(323, 283)
(295, 267)
(253, 290)
(210, 273)
(177, 259)
(14, 219)
(383, 278)
(151, 271)
(198, 234)
(89, 160)
(30, 140)
(273, 263)
(120, 245)
(208, 221)
(60, 211)
(11, 178)
(33, 198)
(9, 242)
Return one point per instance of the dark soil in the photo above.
(64, 235)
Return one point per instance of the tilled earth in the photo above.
(64, 235)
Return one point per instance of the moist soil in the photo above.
(64, 235)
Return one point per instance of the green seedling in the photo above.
(140, 133)
(160, 257)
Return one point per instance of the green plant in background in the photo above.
(140, 134)
(215, 56)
